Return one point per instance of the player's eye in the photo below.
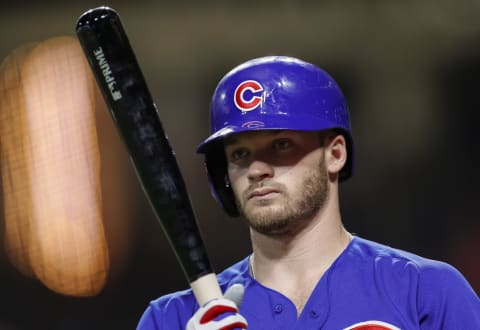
(282, 144)
(238, 154)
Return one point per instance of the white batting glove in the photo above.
(204, 318)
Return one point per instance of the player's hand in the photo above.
(207, 316)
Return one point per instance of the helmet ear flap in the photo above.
(216, 166)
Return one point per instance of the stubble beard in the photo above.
(295, 212)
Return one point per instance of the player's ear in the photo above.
(335, 153)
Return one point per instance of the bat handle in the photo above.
(206, 288)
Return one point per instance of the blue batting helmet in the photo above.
(271, 93)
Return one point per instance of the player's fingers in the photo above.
(232, 322)
(217, 307)
(235, 293)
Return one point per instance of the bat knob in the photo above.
(94, 15)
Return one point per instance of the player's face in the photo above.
(279, 178)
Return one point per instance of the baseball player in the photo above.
(281, 142)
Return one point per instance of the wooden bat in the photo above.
(50, 167)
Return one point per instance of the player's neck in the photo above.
(308, 253)
(313, 250)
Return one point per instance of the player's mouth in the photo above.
(263, 193)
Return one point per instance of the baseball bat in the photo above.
(131, 105)
(54, 229)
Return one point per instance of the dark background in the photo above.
(409, 70)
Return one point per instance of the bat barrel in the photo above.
(123, 86)
(110, 55)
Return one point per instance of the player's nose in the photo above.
(259, 170)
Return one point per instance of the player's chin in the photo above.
(269, 226)
(263, 214)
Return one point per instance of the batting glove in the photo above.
(206, 318)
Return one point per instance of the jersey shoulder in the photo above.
(170, 311)
(386, 256)
(435, 287)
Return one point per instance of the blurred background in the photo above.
(409, 70)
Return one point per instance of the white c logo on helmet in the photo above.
(255, 98)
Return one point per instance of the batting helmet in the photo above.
(271, 93)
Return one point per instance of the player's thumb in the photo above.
(235, 293)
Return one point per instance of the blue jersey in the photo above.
(369, 286)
